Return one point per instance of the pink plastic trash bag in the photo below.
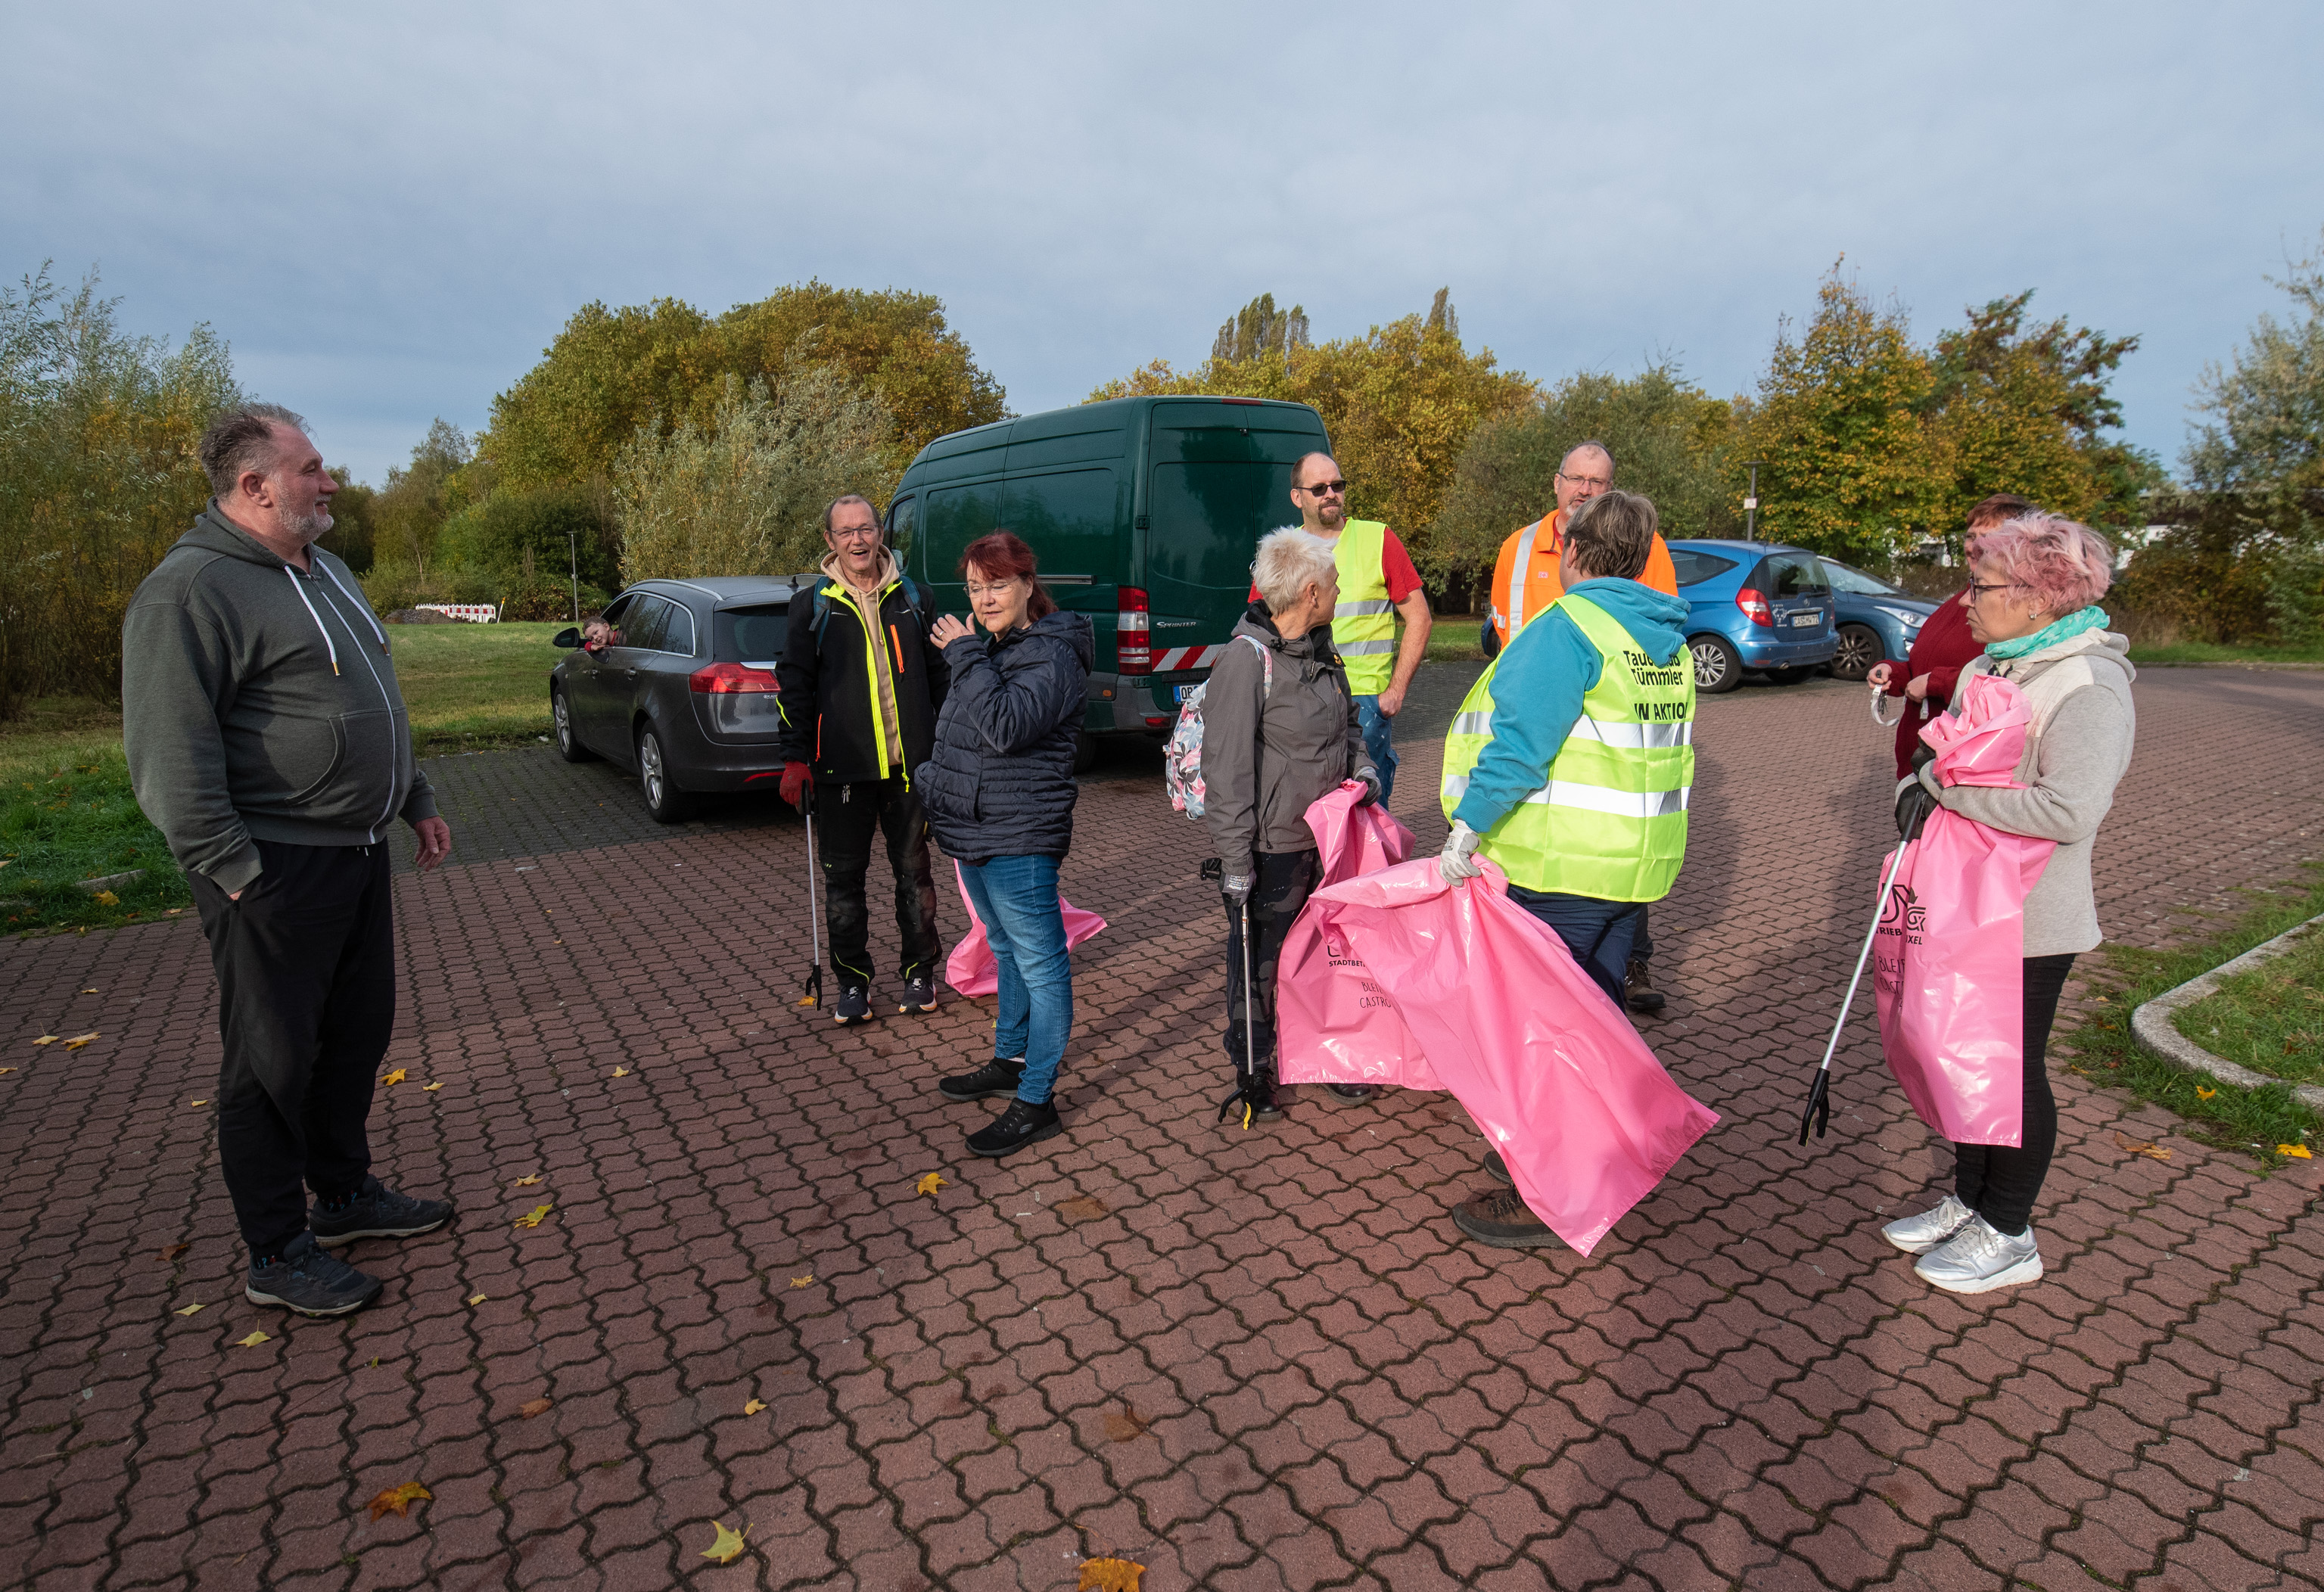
(971, 968)
(1334, 1024)
(1949, 956)
(1583, 1115)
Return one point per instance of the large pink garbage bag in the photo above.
(1334, 1024)
(1583, 1115)
(1949, 957)
(971, 968)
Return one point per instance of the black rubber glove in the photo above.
(1913, 805)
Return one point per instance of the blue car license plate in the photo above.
(1800, 621)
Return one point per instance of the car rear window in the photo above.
(1794, 575)
(753, 635)
(1847, 578)
(1694, 568)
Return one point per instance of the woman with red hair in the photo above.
(2034, 589)
(999, 796)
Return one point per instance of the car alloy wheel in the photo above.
(664, 801)
(1859, 649)
(568, 744)
(1717, 666)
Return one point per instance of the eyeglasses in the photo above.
(1324, 489)
(1601, 482)
(975, 591)
(1977, 589)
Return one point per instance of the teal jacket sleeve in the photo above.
(1539, 684)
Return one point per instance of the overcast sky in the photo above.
(388, 211)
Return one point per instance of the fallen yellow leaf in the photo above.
(430, 1088)
(754, 1407)
(2206, 1094)
(1109, 1575)
(804, 1001)
(399, 1499)
(395, 1077)
(532, 1218)
(620, 1072)
(928, 1185)
(192, 1104)
(2152, 1151)
(2297, 1152)
(92, 991)
(532, 1407)
(726, 1546)
(526, 1183)
(103, 898)
(475, 1298)
(5, 1071)
(803, 1282)
(78, 1040)
(253, 1341)
(189, 1309)
(46, 1039)
(175, 1250)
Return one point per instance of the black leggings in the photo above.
(1998, 1182)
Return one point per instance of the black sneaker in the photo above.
(311, 1281)
(1639, 991)
(1498, 1218)
(1498, 1169)
(377, 1211)
(1021, 1125)
(854, 1004)
(995, 1077)
(1354, 1092)
(919, 995)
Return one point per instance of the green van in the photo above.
(1144, 512)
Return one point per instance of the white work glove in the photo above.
(1457, 860)
(1236, 887)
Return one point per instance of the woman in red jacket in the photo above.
(1943, 648)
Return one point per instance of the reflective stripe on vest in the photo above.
(1517, 571)
(1364, 622)
(1610, 820)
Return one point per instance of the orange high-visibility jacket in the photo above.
(1537, 548)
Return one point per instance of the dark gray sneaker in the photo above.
(377, 1211)
(311, 1281)
(995, 1077)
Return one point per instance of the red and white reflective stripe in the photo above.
(1188, 657)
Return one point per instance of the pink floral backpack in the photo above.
(1181, 763)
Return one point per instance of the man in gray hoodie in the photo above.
(267, 742)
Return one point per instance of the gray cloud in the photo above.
(389, 215)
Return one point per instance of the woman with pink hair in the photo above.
(2034, 589)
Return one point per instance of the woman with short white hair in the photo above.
(1279, 731)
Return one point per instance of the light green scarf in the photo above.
(2049, 635)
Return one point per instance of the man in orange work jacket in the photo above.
(1526, 581)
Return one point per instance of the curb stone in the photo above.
(2149, 1025)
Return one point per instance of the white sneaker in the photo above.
(1917, 1235)
(1980, 1258)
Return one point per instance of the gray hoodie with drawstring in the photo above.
(259, 703)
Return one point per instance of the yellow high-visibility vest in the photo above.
(1363, 626)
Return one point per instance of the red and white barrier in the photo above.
(475, 613)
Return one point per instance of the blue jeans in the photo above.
(1380, 741)
(1017, 898)
(1598, 933)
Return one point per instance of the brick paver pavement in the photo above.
(1258, 1360)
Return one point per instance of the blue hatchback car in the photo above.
(1876, 620)
(1754, 606)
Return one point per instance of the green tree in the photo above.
(409, 513)
(351, 532)
(1399, 402)
(1258, 328)
(545, 531)
(2265, 428)
(1670, 441)
(743, 491)
(97, 476)
(1850, 469)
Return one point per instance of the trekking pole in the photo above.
(1819, 1105)
(814, 996)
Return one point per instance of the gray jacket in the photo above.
(2075, 753)
(1266, 760)
(258, 702)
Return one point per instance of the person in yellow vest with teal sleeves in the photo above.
(1377, 585)
(1570, 765)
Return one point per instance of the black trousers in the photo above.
(1998, 1182)
(1281, 882)
(845, 818)
(306, 972)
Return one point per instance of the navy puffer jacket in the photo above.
(1001, 781)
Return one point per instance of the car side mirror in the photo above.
(569, 637)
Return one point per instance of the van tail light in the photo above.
(1133, 633)
(1755, 604)
(721, 678)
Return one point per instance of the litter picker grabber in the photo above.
(814, 996)
(1818, 1107)
(1246, 1069)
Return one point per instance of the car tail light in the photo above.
(1133, 637)
(1755, 604)
(720, 678)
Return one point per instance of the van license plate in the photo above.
(1800, 622)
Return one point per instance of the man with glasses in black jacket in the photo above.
(861, 683)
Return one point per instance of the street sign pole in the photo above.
(1751, 503)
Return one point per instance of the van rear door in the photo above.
(1218, 480)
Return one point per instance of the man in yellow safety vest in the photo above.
(1570, 765)
(1377, 585)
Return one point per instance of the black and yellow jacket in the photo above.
(834, 719)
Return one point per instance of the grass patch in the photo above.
(2212, 652)
(67, 815)
(1452, 638)
(2269, 1019)
(2123, 979)
(472, 686)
